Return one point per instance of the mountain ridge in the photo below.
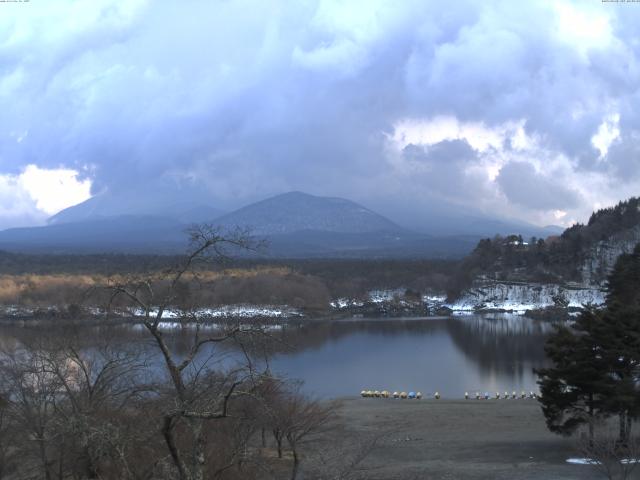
(296, 224)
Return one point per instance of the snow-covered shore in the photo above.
(521, 297)
(496, 296)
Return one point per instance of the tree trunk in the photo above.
(263, 437)
(623, 434)
(167, 432)
(591, 421)
(198, 449)
(296, 463)
(43, 458)
(278, 437)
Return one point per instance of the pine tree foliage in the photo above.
(573, 389)
(619, 337)
(596, 361)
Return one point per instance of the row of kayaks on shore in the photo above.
(505, 395)
(387, 394)
(418, 395)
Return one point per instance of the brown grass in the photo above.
(261, 284)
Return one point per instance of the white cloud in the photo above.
(30, 197)
(54, 190)
(583, 29)
(608, 132)
(434, 130)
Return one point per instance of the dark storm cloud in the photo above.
(247, 99)
(623, 160)
(523, 185)
(444, 168)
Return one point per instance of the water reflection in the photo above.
(335, 358)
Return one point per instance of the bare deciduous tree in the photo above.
(197, 394)
(607, 454)
(61, 401)
(293, 416)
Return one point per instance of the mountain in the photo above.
(125, 233)
(296, 211)
(381, 244)
(153, 218)
(156, 199)
(297, 224)
(294, 224)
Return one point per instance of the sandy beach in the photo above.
(466, 439)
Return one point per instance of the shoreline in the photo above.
(41, 315)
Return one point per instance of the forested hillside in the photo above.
(582, 253)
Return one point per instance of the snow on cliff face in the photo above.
(520, 297)
(602, 256)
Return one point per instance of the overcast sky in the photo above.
(522, 109)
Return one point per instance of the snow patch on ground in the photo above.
(341, 303)
(229, 311)
(591, 461)
(434, 298)
(188, 325)
(381, 296)
(582, 461)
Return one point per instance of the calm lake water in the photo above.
(492, 352)
(448, 355)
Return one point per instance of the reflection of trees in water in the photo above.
(292, 338)
(315, 334)
(502, 343)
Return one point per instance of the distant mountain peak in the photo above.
(298, 211)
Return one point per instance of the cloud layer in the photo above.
(522, 110)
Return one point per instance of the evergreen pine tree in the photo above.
(619, 337)
(596, 362)
(573, 388)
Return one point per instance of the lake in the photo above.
(448, 355)
(452, 355)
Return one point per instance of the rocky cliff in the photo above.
(599, 259)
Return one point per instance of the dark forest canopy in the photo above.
(604, 223)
